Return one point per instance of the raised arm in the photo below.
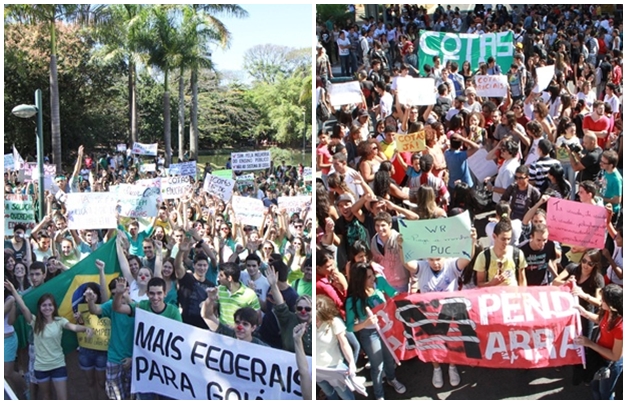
(271, 276)
(119, 305)
(28, 316)
(79, 161)
(104, 289)
(532, 211)
(207, 310)
(184, 249)
(301, 361)
(124, 265)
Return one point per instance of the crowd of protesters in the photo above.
(194, 262)
(565, 141)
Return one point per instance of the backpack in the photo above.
(488, 258)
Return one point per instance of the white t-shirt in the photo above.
(386, 103)
(328, 352)
(533, 155)
(261, 285)
(613, 101)
(516, 231)
(505, 177)
(344, 42)
(444, 280)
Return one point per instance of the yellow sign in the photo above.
(101, 326)
(412, 142)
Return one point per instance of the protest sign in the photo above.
(175, 187)
(497, 327)
(148, 168)
(187, 168)
(345, 93)
(248, 210)
(481, 167)
(250, 161)
(576, 223)
(294, 204)
(101, 330)
(121, 147)
(307, 174)
(411, 142)
(433, 238)
(473, 48)
(246, 178)
(183, 362)
(544, 74)
(221, 187)
(30, 171)
(92, 210)
(18, 161)
(223, 173)
(136, 200)
(18, 208)
(491, 85)
(149, 182)
(145, 149)
(9, 163)
(415, 91)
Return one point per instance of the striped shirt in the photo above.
(539, 171)
(231, 302)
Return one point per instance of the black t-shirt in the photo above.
(350, 231)
(538, 263)
(591, 162)
(191, 293)
(17, 254)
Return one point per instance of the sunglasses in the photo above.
(519, 178)
(301, 308)
(587, 262)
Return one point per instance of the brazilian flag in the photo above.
(63, 286)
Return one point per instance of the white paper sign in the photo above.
(307, 173)
(250, 161)
(175, 187)
(187, 168)
(222, 187)
(148, 168)
(145, 149)
(91, 210)
(137, 201)
(121, 147)
(412, 91)
(481, 167)
(9, 163)
(491, 85)
(544, 74)
(345, 93)
(294, 204)
(245, 178)
(248, 210)
(204, 365)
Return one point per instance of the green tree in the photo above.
(267, 63)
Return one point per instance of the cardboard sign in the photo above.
(145, 149)
(481, 167)
(187, 168)
(18, 208)
(92, 210)
(437, 238)
(545, 75)
(411, 142)
(137, 201)
(491, 85)
(576, 223)
(345, 93)
(294, 204)
(496, 327)
(250, 161)
(248, 210)
(412, 91)
(466, 47)
(175, 187)
(199, 364)
(222, 187)
(121, 147)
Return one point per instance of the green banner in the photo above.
(466, 47)
(63, 286)
(223, 174)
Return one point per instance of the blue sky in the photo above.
(284, 24)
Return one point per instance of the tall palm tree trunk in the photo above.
(132, 91)
(167, 123)
(193, 127)
(181, 115)
(54, 100)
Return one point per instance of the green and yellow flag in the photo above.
(63, 286)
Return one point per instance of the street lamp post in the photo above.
(28, 111)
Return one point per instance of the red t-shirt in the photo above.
(323, 150)
(606, 336)
(324, 287)
(596, 126)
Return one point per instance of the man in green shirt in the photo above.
(233, 295)
(611, 181)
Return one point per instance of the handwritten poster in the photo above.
(121, 147)
(187, 168)
(93, 210)
(137, 201)
(576, 223)
(248, 210)
(437, 238)
(250, 161)
(294, 204)
(18, 208)
(307, 174)
(411, 142)
(345, 93)
(222, 187)
(175, 187)
(148, 168)
(491, 85)
(481, 167)
(412, 91)
(146, 149)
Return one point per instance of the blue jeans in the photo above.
(336, 393)
(380, 359)
(604, 389)
(570, 175)
(345, 65)
(354, 343)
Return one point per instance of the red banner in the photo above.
(497, 327)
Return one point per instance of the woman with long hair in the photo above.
(169, 276)
(295, 256)
(332, 347)
(48, 329)
(609, 345)
(542, 116)
(368, 164)
(427, 207)
(557, 182)
(504, 212)
(384, 185)
(466, 71)
(20, 271)
(365, 292)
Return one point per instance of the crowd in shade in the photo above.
(194, 262)
(543, 138)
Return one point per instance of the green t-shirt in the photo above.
(122, 330)
(48, 351)
(231, 302)
(302, 287)
(170, 311)
(355, 310)
(612, 187)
